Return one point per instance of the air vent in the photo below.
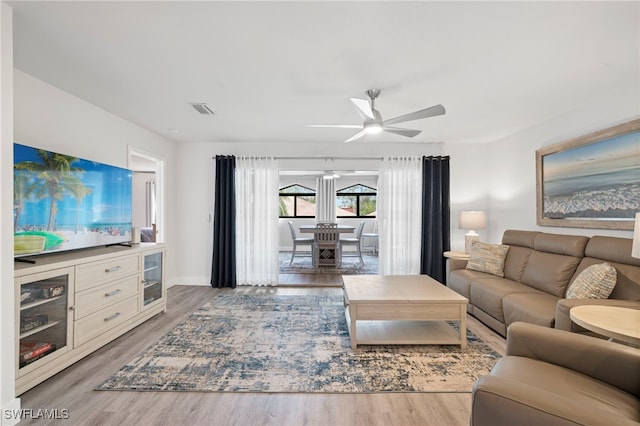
(202, 109)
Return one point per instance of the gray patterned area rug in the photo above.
(277, 343)
(350, 265)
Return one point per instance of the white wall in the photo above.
(196, 183)
(7, 298)
(49, 118)
(511, 185)
(497, 177)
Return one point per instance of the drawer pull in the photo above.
(114, 269)
(113, 293)
(112, 317)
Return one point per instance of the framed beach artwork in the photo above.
(592, 181)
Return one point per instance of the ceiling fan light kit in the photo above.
(373, 122)
(372, 128)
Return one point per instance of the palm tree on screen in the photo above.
(54, 175)
(78, 190)
(21, 193)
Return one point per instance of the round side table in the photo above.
(459, 255)
(622, 324)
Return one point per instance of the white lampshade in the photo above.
(473, 220)
(635, 250)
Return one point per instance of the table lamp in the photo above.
(471, 221)
(635, 250)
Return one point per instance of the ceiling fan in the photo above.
(373, 122)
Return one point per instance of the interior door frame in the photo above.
(160, 186)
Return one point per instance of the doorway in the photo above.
(148, 194)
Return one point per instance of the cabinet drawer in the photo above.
(105, 295)
(99, 322)
(93, 274)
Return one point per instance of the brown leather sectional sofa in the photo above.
(537, 271)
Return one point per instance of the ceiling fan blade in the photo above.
(339, 126)
(402, 132)
(363, 108)
(358, 135)
(416, 115)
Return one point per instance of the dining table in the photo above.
(310, 229)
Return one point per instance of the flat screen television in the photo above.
(66, 203)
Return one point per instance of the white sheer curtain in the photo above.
(256, 221)
(325, 200)
(399, 215)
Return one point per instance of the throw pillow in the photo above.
(488, 258)
(595, 282)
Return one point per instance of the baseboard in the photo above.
(200, 281)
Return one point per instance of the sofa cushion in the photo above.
(534, 308)
(611, 249)
(460, 280)
(487, 294)
(595, 282)
(519, 238)
(549, 272)
(488, 258)
(516, 261)
(569, 245)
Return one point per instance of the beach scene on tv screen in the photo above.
(63, 202)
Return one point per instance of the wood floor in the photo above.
(72, 389)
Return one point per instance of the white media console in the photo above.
(70, 304)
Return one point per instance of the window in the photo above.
(356, 201)
(297, 201)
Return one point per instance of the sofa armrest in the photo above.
(612, 363)
(502, 401)
(563, 320)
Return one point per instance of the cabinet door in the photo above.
(44, 326)
(152, 280)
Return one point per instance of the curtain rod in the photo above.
(326, 158)
(329, 158)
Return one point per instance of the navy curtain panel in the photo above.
(223, 269)
(436, 230)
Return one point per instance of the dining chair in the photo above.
(300, 241)
(372, 236)
(356, 242)
(327, 245)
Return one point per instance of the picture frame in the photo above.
(592, 181)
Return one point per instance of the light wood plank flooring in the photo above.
(72, 389)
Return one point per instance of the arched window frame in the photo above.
(366, 191)
(297, 195)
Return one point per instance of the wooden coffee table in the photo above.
(403, 310)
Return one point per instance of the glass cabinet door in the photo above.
(152, 279)
(43, 327)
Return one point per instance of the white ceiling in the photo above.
(269, 68)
